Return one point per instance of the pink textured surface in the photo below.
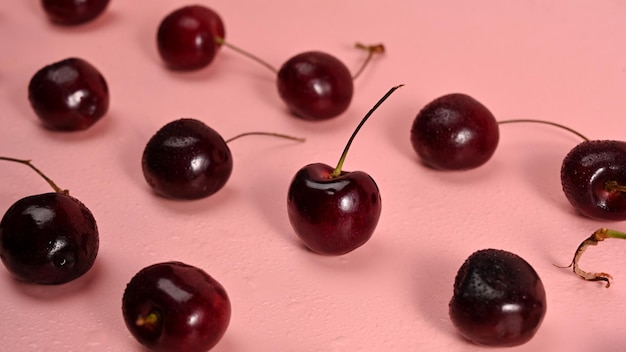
(562, 61)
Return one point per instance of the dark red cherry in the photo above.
(593, 175)
(49, 238)
(174, 306)
(186, 38)
(71, 12)
(69, 95)
(499, 300)
(315, 85)
(186, 159)
(455, 132)
(334, 211)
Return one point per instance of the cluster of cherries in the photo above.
(52, 238)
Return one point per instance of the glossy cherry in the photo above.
(334, 211)
(499, 300)
(69, 95)
(186, 159)
(173, 306)
(455, 132)
(72, 12)
(186, 37)
(593, 175)
(49, 238)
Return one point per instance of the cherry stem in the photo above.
(371, 51)
(546, 123)
(337, 171)
(272, 134)
(613, 186)
(30, 164)
(598, 236)
(222, 41)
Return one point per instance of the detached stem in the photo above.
(223, 42)
(337, 171)
(371, 51)
(30, 164)
(272, 134)
(598, 236)
(545, 123)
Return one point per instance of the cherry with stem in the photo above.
(593, 240)
(331, 210)
(50, 238)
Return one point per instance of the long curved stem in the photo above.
(272, 134)
(598, 236)
(337, 171)
(371, 51)
(30, 164)
(253, 57)
(545, 123)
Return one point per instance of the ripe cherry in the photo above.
(314, 85)
(49, 238)
(455, 132)
(72, 12)
(186, 159)
(186, 37)
(69, 95)
(334, 211)
(593, 175)
(173, 306)
(498, 300)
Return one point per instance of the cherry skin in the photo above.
(333, 211)
(69, 95)
(72, 12)
(49, 238)
(455, 132)
(186, 37)
(499, 300)
(186, 159)
(592, 175)
(315, 85)
(173, 306)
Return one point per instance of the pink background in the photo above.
(563, 61)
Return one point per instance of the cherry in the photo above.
(186, 159)
(314, 85)
(49, 238)
(334, 211)
(498, 300)
(592, 175)
(72, 12)
(186, 37)
(69, 95)
(455, 132)
(173, 306)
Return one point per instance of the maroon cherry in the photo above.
(314, 85)
(186, 37)
(499, 300)
(186, 159)
(593, 175)
(49, 238)
(72, 12)
(334, 211)
(173, 306)
(69, 95)
(455, 132)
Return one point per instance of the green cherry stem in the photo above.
(337, 171)
(271, 134)
(371, 51)
(222, 41)
(30, 164)
(593, 240)
(545, 123)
